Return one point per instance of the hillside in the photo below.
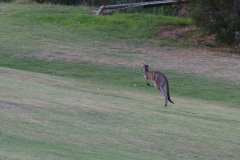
(71, 87)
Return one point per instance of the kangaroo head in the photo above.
(145, 67)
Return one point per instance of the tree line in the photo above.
(84, 2)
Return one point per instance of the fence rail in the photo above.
(124, 6)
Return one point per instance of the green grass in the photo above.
(182, 85)
(71, 87)
(49, 117)
(73, 19)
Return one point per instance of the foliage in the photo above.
(6, 1)
(82, 2)
(72, 2)
(163, 10)
(217, 17)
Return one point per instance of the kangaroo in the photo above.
(160, 82)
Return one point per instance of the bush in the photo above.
(86, 2)
(217, 17)
(6, 1)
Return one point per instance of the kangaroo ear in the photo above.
(143, 64)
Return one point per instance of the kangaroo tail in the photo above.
(168, 93)
(170, 100)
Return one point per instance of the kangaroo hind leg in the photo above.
(164, 93)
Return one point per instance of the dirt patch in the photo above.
(7, 105)
(93, 12)
(186, 33)
(171, 32)
(105, 12)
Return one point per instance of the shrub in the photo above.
(217, 17)
(6, 1)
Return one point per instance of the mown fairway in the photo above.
(71, 87)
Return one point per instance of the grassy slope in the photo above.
(69, 117)
(47, 117)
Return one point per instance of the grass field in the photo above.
(71, 87)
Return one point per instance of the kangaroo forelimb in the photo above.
(147, 83)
